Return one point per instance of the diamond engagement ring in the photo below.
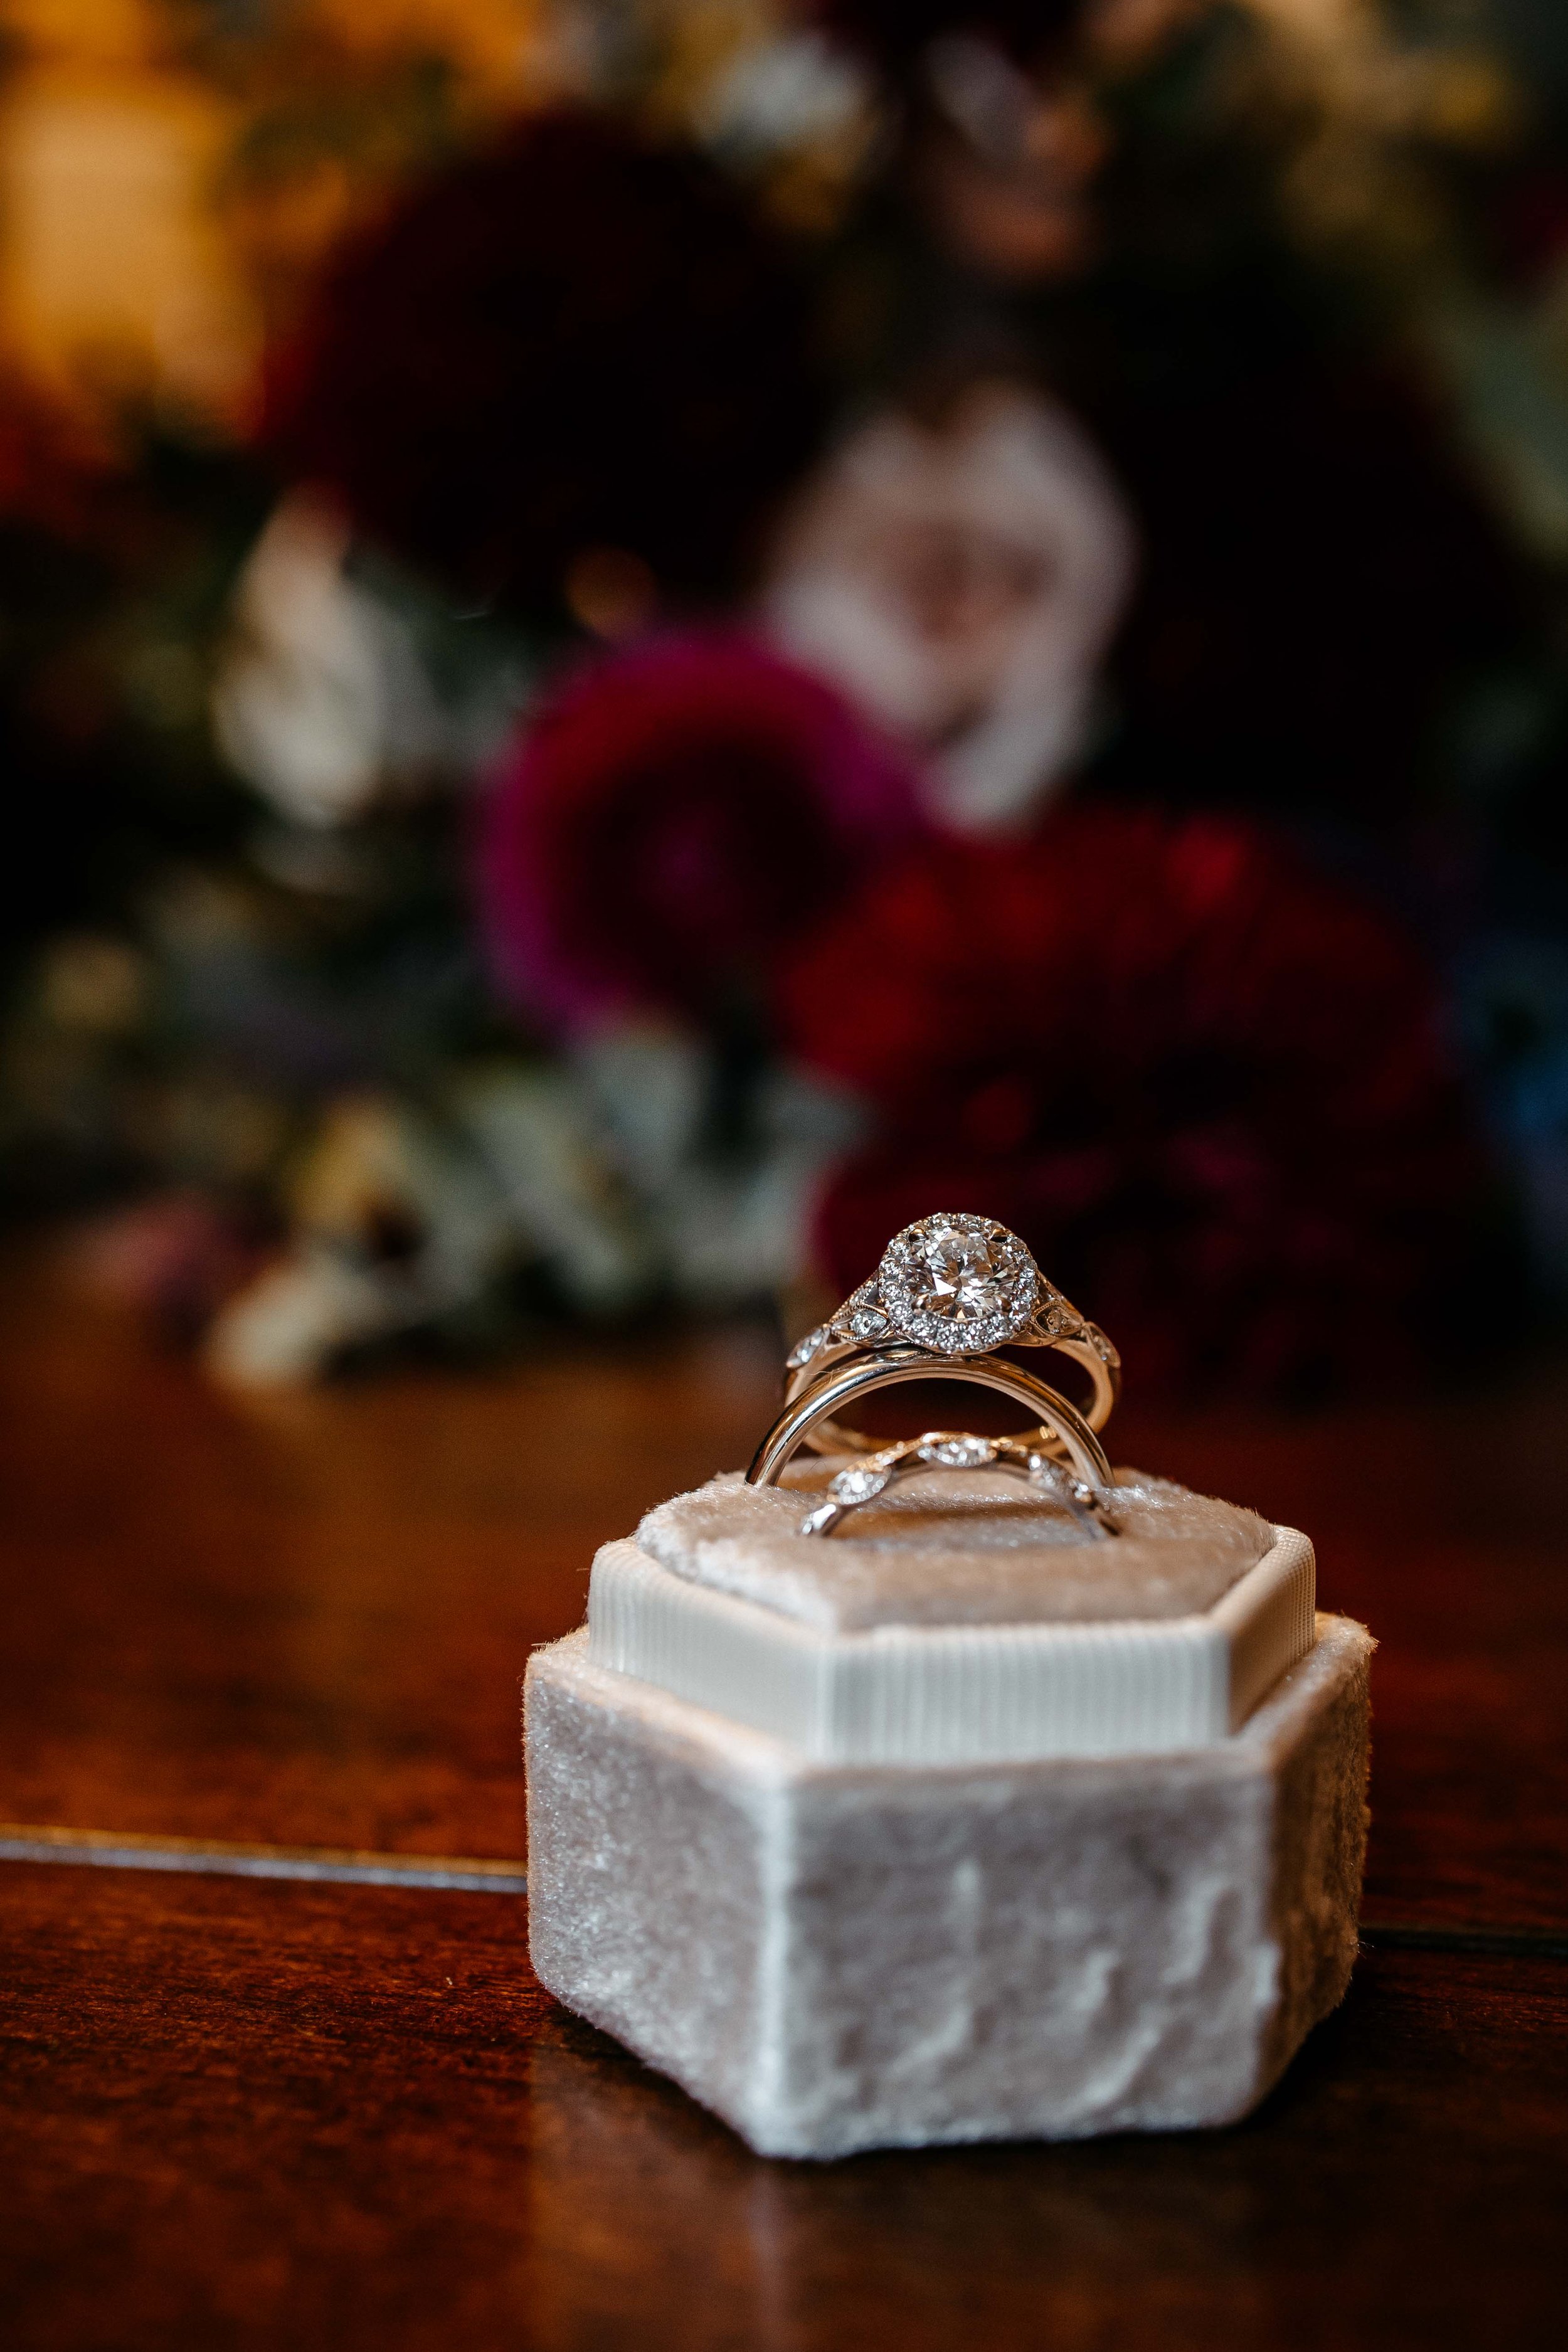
(953, 1449)
(950, 1291)
(953, 1286)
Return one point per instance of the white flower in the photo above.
(962, 582)
(729, 1226)
(402, 1217)
(787, 92)
(323, 692)
(286, 1327)
(393, 1225)
(538, 1134)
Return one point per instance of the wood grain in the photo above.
(1441, 1523)
(304, 1620)
(239, 2115)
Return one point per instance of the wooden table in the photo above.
(269, 2111)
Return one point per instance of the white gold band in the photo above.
(954, 1449)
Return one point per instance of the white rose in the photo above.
(961, 584)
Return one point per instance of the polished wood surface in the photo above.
(271, 2114)
(281, 2115)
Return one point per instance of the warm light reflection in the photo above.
(114, 279)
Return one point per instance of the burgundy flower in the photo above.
(671, 821)
(1203, 1081)
(54, 478)
(574, 343)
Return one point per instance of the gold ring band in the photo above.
(833, 1437)
(1058, 1420)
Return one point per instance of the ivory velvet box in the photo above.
(962, 1829)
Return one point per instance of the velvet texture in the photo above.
(841, 1958)
(958, 1549)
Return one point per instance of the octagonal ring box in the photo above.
(957, 1825)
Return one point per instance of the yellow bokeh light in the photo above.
(114, 279)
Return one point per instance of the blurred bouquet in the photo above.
(694, 630)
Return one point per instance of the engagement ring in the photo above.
(952, 1288)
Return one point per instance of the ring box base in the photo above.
(835, 1956)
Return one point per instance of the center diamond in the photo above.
(960, 1285)
(963, 1277)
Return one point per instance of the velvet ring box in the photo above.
(958, 1827)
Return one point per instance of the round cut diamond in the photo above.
(958, 1283)
(965, 1278)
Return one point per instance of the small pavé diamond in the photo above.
(958, 1453)
(858, 1485)
(868, 1322)
(804, 1349)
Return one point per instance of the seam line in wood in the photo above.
(478, 1875)
(210, 1857)
(1491, 1943)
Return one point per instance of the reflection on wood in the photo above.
(260, 2115)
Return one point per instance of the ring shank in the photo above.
(814, 1410)
(830, 1516)
(833, 1437)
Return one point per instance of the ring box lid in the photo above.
(957, 1547)
(958, 1624)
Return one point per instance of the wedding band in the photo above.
(953, 1286)
(951, 1449)
(1056, 1417)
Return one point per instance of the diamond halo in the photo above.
(958, 1285)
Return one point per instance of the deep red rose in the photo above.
(1206, 1084)
(575, 342)
(671, 821)
(54, 476)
